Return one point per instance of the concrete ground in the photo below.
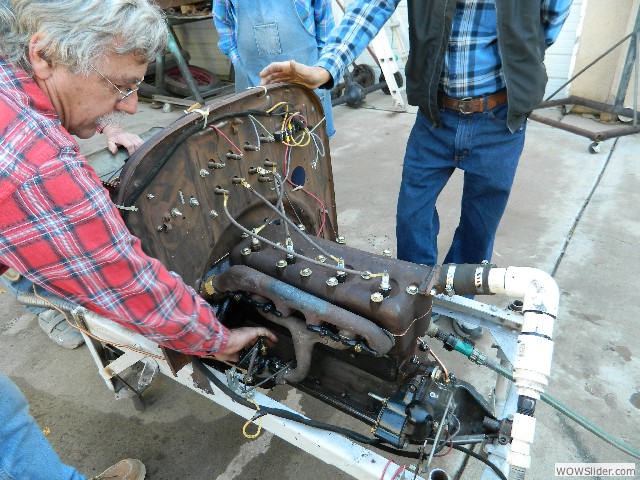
(571, 213)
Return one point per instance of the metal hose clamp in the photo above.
(478, 279)
(449, 285)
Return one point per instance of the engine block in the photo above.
(238, 200)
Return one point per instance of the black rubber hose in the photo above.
(473, 454)
(468, 279)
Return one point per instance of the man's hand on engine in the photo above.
(117, 136)
(243, 337)
(310, 77)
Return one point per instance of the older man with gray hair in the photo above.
(64, 65)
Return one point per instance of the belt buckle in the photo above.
(464, 102)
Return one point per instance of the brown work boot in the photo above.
(127, 469)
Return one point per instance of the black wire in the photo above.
(473, 454)
(405, 453)
(111, 174)
(220, 159)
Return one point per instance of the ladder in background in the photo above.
(387, 59)
(382, 53)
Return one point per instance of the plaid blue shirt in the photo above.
(316, 16)
(472, 64)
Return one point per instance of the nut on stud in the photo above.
(412, 290)
(341, 240)
(386, 252)
(377, 297)
(305, 272)
(245, 251)
(332, 281)
(321, 258)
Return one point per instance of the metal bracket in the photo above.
(504, 325)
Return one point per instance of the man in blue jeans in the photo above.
(476, 71)
(25, 453)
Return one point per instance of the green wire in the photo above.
(576, 417)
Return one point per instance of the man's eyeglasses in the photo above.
(128, 93)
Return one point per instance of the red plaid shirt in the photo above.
(59, 228)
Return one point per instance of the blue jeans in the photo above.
(482, 146)
(25, 453)
(24, 285)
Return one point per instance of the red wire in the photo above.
(323, 208)
(448, 450)
(298, 114)
(385, 468)
(398, 471)
(226, 138)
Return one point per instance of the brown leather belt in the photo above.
(473, 105)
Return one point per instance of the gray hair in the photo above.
(77, 32)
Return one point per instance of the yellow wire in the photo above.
(276, 106)
(251, 436)
(263, 127)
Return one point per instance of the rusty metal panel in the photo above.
(173, 178)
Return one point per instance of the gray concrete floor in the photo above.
(570, 211)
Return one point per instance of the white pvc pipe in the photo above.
(532, 366)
